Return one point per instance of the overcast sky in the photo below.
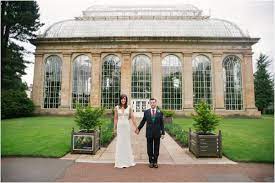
(253, 16)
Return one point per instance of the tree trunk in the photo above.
(4, 30)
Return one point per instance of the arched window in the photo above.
(52, 82)
(81, 86)
(171, 83)
(141, 77)
(202, 80)
(110, 84)
(232, 76)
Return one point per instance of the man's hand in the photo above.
(137, 131)
(162, 136)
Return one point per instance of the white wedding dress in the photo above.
(124, 154)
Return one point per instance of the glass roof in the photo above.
(111, 11)
(154, 21)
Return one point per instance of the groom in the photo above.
(154, 130)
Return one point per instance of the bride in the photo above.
(124, 153)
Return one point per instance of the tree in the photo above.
(20, 19)
(263, 82)
(19, 22)
(205, 119)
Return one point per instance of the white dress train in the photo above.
(124, 153)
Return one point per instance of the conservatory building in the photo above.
(175, 54)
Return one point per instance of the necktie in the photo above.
(153, 112)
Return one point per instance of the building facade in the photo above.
(175, 54)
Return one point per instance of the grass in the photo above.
(247, 140)
(45, 136)
(244, 139)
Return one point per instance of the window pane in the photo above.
(171, 83)
(202, 80)
(141, 77)
(232, 76)
(110, 83)
(81, 81)
(52, 82)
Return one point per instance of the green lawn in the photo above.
(45, 136)
(244, 139)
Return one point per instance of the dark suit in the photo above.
(154, 130)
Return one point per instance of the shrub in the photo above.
(15, 103)
(177, 132)
(205, 119)
(106, 133)
(168, 113)
(88, 118)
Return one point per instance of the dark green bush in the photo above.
(268, 111)
(106, 133)
(168, 113)
(205, 119)
(15, 103)
(178, 133)
(88, 118)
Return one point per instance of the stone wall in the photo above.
(216, 50)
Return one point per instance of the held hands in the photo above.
(137, 131)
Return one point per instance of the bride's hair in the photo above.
(120, 98)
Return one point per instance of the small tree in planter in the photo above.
(168, 116)
(203, 142)
(87, 140)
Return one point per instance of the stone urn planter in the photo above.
(168, 116)
(167, 119)
(203, 142)
(87, 140)
(205, 145)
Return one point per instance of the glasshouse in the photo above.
(176, 54)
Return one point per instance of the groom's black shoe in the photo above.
(151, 165)
(156, 165)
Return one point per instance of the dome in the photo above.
(143, 21)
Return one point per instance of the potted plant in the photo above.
(168, 116)
(203, 142)
(87, 139)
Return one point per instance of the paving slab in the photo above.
(32, 169)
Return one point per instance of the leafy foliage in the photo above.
(106, 132)
(15, 104)
(88, 118)
(168, 113)
(178, 133)
(12, 67)
(205, 119)
(263, 83)
(19, 21)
